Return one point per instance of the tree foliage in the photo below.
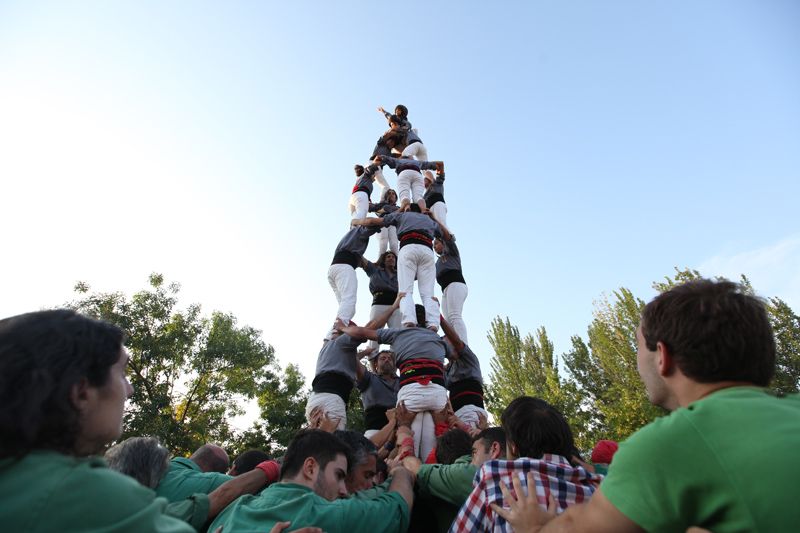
(190, 373)
(598, 387)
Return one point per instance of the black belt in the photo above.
(415, 237)
(333, 383)
(434, 198)
(466, 392)
(450, 276)
(383, 298)
(346, 258)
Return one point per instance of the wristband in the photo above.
(271, 469)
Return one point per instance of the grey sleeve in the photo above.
(392, 219)
(386, 336)
(370, 268)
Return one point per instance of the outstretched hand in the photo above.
(525, 514)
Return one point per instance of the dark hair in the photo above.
(360, 446)
(42, 355)
(380, 263)
(491, 435)
(359, 169)
(535, 427)
(142, 458)
(415, 208)
(420, 310)
(394, 119)
(403, 110)
(322, 446)
(452, 445)
(714, 330)
(247, 461)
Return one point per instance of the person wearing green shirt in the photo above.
(184, 478)
(312, 492)
(63, 389)
(725, 458)
(446, 487)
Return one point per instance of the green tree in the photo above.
(605, 369)
(529, 367)
(189, 372)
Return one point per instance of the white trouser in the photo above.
(469, 415)
(422, 399)
(359, 204)
(394, 320)
(439, 209)
(380, 179)
(345, 286)
(370, 432)
(387, 238)
(410, 185)
(415, 261)
(417, 150)
(452, 307)
(331, 404)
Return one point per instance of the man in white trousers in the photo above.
(415, 232)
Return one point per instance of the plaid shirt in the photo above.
(553, 474)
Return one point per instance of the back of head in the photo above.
(211, 458)
(534, 427)
(322, 446)
(247, 461)
(452, 445)
(42, 356)
(414, 208)
(142, 458)
(360, 446)
(420, 311)
(491, 435)
(714, 330)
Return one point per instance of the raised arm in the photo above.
(367, 222)
(446, 235)
(357, 332)
(451, 334)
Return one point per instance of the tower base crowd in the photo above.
(428, 460)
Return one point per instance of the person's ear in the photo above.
(310, 468)
(666, 363)
(496, 451)
(81, 395)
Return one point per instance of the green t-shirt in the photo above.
(446, 487)
(728, 462)
(48, 491)
(184, 479)
(388, 513)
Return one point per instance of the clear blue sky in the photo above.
(588, 145)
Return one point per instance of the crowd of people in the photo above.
(724, 459)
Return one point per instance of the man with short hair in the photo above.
(725, 459)
(539, 443)
(445, 487)
(146, 460)
(246, 461)
(186, 477)
(364, 464)
(211, 458)
(312, 492)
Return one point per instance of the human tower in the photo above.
(435, 373)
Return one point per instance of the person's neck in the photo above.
(393, 375)
(692, 391)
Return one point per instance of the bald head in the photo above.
(211, 458)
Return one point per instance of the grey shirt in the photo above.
(400, 164)
(411, 221)
(364, 181)
(435, 193)
(414, 343)
(339, 356)
(356, 240)
(378, 392)
(379, 279)
(466, 366)
(450, 258)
